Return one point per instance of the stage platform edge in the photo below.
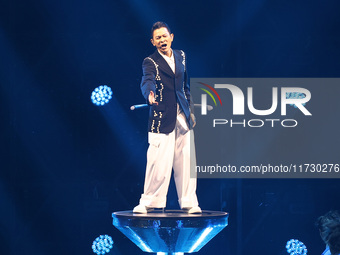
(171, 231)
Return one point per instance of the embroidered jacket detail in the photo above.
(161, 92)
(158, 78)
(183, 62)
(159, 124)
(153, 126)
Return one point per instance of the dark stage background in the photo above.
(67, 164)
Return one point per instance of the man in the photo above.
(165, 87)
(329, 228)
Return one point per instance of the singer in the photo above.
(166, 89)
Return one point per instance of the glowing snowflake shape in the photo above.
(101, 95)
(102, 244)
(295, 247)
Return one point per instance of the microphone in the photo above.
(137, 106)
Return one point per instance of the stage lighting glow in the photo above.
(141, 242)
(296, 247)
(174, 253)
(101, 95)
(102, 244)
(201, 238)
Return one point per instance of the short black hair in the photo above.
(327, 223)
(334, 240)
(329, 227)
(158, 25)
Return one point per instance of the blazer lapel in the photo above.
(178, 62)
(163, 64)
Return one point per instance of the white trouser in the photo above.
(167, 151)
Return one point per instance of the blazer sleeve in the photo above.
(148, 82)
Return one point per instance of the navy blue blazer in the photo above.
(169, 89)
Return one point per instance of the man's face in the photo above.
(162, 39)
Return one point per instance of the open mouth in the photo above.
(163, 46)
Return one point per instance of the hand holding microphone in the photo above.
(152, 99)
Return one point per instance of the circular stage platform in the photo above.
(170, 231)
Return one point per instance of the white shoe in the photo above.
(195, 209)
(140, 209)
